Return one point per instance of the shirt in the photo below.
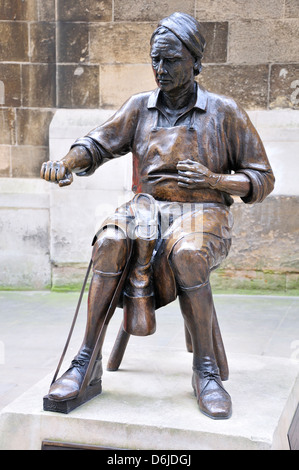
(227, 140)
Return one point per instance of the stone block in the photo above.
(284, 86)
(10, 76)
(33, 126)
(279, 132)
(285, 164)
(121, 43)
(46, 10)
(292, 281)
(24, 244)
(226, 279)
(42, 42)
(247, 84)
(14, 41)
(130, 42)
(265, 236)
(216, 35)
(277, 125)
(39, 85)
(291, 8)
(69, 276)
(2, 93)
(16, 10)
(232, 9)
(84, 10)
(263, 41)
(26, 161)
(4, 161)
(68, 125)
(76, 215)
(72, 227)
(140, 406)
(73, 42)
(119, 82)
(149, 11)
(8, 126)
(27, 10)
(78, 86)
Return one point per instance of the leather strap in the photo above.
(73, 322)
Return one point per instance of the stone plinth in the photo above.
(149, 404)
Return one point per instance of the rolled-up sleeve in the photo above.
(249, 157)
(262, 184)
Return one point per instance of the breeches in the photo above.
(193, 240)
(195, 256)
(191, 259)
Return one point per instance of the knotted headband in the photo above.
(188, 30)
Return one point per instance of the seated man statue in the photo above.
(192, 150)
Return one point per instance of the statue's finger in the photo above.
(184, 166)
(188, 173)
(185, 179)
(43, 170)
(53, 174)
(48, 171)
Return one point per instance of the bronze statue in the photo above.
(192, 150)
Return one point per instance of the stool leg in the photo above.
(118, 350)
(123, 337)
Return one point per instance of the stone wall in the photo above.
(89, 55)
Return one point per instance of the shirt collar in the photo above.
(201, 99)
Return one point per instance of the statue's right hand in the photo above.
(56, 172)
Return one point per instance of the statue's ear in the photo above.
(197, 67)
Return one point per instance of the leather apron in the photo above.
(157, 174)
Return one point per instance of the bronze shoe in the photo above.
(67, 387)
(213, 400)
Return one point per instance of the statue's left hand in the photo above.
(194, 175)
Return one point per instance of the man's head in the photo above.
(177, 47)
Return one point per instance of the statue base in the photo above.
(149, 404)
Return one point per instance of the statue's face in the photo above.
(172, 63)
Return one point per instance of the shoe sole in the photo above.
(68, 405)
